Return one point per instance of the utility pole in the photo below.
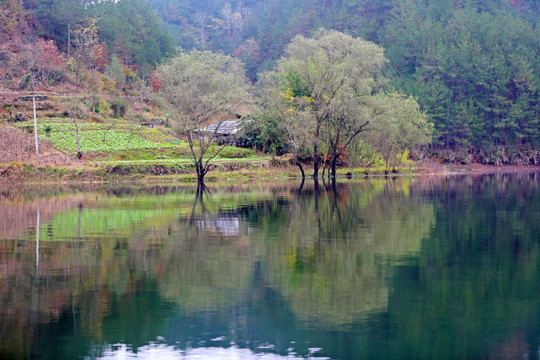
(35, 121)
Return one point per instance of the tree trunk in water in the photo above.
(200, 179)
(301, 169)
(199, 195)
(316, 186)
(315, 161)
(200, 173)
(333, 167)
(301, 185)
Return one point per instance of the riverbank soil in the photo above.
(433, 167)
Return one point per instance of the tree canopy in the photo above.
(327, 86)
(201, 88)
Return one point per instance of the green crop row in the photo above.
(70, 126)
(98, 140)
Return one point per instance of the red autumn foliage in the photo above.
(156, 81)
(101, 58)
(342, 157)
(46, 56)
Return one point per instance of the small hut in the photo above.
(224, 131)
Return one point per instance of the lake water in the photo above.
(407, 268)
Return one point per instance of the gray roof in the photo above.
(224, 127)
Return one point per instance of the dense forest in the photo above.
(472, 65)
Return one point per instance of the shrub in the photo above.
(235, 153)
(119, 107)
(265, 134)
(76, 110)
(18, 118)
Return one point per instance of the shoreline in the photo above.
(29, 174)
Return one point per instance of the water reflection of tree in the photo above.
(338, 248)
(207, 260)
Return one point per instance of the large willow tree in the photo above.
(330, 87)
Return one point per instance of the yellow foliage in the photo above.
(288, 95)
(309, 99)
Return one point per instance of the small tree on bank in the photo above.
(77, 112)
(399, 126)
(202, 88)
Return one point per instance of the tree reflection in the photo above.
(339, 247)
(206, 262)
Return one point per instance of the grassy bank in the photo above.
(182, 172)
(223, 172)
(127, 172)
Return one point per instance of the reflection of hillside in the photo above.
(255, 262)
(19, 216)
(98, 246)
(89, 254)
(476, 275)
(59, 211)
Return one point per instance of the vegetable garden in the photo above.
(101, 137)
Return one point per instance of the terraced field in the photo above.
(119, 142)
(101, 137)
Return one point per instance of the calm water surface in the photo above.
(413, 268)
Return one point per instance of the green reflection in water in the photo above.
(333, 256)
(409, 268)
